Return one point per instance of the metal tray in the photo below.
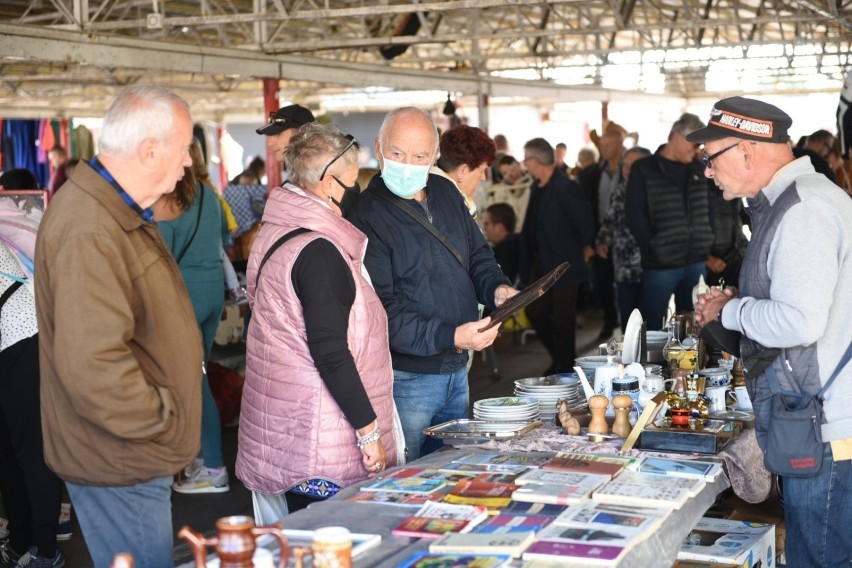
(471, 430)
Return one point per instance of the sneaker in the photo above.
(205, 480)
(31, 559)
(63, 531)
(193, 468)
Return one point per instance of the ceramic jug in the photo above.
(604, 374)
(234, 542)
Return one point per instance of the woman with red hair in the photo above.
(466, 153)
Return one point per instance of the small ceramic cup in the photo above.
(743, 401)
(717, 397)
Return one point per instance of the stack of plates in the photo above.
(550, 390)
(506, 408)
(656, 339)
(589, 364)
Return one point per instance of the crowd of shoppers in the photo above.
(352, 347)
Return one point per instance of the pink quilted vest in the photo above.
(291, 429)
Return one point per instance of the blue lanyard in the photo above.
(13, 277)
(146, 214)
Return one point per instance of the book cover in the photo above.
(434, 519)
(405, 485)
(582, 554)
(484, 468)
(387, 498)
(573, 465)
(562, 477)
(648, 490)
(513, 544)
(425, 527)
(440, 560)
(543, 509)
(613, 535)
(680, 467)
(498, 459)
(625, 461)
(504, 523)
(595, 513)
(493, 504)
(577, 487)
(475, 492)
(477, 488)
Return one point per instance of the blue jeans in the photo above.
(426, 400)
(659, 285)
(818, 516)
(135, 519)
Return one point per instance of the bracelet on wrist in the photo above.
(373, 436)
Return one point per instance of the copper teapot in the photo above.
(234, 542)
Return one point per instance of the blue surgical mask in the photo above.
(404, 180)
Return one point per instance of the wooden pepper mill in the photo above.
(737, 374)
(597, 405)
(622, 404)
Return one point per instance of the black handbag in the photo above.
(794, 446)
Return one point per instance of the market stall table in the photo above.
(659, 550)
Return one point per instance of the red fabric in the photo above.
(227, 387)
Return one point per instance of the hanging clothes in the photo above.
(85, 144)
(21, 139)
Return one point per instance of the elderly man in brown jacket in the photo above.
(120, 350)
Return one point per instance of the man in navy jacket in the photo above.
(430, 295)
(558, 228)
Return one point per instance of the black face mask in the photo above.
(349, 199)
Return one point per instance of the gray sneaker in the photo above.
(31, 559)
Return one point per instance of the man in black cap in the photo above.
(791, 309)
(282, 125)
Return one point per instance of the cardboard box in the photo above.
(742, 543)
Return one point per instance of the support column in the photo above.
(270, 104)
(483, 111)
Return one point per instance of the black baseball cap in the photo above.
(291, 116)
(749, 119)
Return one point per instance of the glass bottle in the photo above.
(673, 350)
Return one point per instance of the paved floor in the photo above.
(514, 361)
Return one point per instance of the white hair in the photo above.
(139, 112)
(391, 117)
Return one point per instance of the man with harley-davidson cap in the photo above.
(792, 311)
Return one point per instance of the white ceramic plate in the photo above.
(630, 350)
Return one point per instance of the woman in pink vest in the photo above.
(317, 411)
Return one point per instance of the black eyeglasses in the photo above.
(352, 142)
(708, 160)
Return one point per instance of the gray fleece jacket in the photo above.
(809, 265)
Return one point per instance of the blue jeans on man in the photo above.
(658, 286)
(135, 519)
(818, 516)
(424, 400)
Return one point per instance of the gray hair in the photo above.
(686, 124)
(540, 149)
(312, 148)
(138, 113)
(391, 117)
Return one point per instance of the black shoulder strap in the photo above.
(179, 257)
(275, 246)
(399, 202)
(9, 291)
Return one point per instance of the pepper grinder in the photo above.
(598, 405)
(623, 403)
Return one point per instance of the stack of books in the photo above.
(557, 488)
(435, 519)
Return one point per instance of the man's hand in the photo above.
(709, 305)
(503, 293)
(715, 264)
(468, 335)
(602, 250)
(588, 253)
